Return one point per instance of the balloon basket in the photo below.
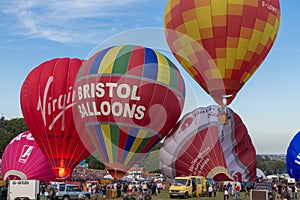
(223, 119)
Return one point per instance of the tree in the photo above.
(94, 163)
(269, 166)
(10, 129)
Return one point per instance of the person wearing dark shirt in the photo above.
(119, 190)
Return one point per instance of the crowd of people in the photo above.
(124, 189)
(285, 190)
(83, 173)
(278, 190)
(231, 190)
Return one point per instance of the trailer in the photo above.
(23, 189)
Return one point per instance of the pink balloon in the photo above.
(23, 159)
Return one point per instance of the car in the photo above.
(66, 191)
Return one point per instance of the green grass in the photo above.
(165, 195)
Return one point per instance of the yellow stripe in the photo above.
(204, 22)
(230, 57)
(137, 142)
(255, 39)
(167, 14)
(246, 77)
(108, 60)
(275, 30)
(241, 2)
(242, 48)
(221, 63)
(191, 30)
(163, 75)
(218, 7)
(107, 140)
(267, 32)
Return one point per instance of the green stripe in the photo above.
(122, 60)
(139, 149)
(114, 135)
(173, 75)
(143, 144)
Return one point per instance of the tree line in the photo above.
(12, 127)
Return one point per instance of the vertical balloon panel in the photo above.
(47, 99)
(128, 99)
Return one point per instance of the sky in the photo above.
(35, 31)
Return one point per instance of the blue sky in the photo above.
(34, 31)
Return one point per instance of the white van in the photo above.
(23, 189)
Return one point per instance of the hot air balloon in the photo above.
(128, 99)
(23, 159)
(47, 99)
(221, 43)
(199, 145)
(293, 158)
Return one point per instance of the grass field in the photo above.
(165, 195)
(219, 196)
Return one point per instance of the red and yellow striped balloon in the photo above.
(221, 43)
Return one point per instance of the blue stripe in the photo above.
(151, 65)
(101, 141)
(94, 68)
(130, 140)
(153, 144)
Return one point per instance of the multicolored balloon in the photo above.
(199, 145)
(128, 99)
(221, 43)
(47, 99)
(293, 158)
(22, 159)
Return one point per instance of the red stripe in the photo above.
(234, 25)
(122, 142)
(249, 16)
(89, 62)
(136, 61)
(262, 13)
(187, 5)
(176, 16)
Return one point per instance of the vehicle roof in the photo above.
(263, 186)
(66, 184)
(183, 177)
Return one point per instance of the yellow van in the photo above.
(200, 185)
(187, 186)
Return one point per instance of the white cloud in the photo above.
(72, 21)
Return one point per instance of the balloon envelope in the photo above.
(128, 99)
(199, 145)
(221, 43)
(293, 158)
(23, 159)
(47, 99)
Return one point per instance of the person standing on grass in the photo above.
(226, 194)
(215, 190)
(237, 192)
(230, 191)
